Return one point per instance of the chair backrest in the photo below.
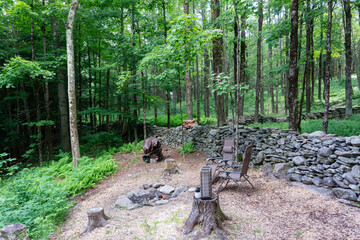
(246, 160)
(228, 149)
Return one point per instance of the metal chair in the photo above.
(222, 162)
(234, 175)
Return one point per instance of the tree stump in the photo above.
(97, 218)
(13, 232)
(171, 168)
(209, 213)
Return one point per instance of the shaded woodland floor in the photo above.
(274, 210)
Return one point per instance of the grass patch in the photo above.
(175, 120)
(347, 127)
(39, 197)
(188, 148)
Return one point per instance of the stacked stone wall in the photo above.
(318, 159)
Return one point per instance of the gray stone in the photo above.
(192, 189)
(349, 178)
(317, 181)
(281, 141)
(145, 186)
(316, 134)
(171, 238)
(358, 199)
(347, 160)
(299, 160)
(295, 177)
(124, 202)
(355, 171)
(328, 181)
(13, 232)
(213, 132)
(179, 190)
(166, 189)
(343, 154)
(355, 141)
(307, 180)
(325, 152)
(161, 202)
(354, 187)
(259, 158)
(157, 184)
(340, 182)
(344, 194)
(280, 170)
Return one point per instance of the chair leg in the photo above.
(220, 189)
(247, 179)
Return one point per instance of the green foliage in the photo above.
(347, 127)
(38, 197)
(7, 167)
(96, 144)
(132, 147)
(175, 120)
(188, 148)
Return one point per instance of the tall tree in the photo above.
(75, 149)
(348, 85)
(217, 63)
(327, 68)
(258, 61)
(293, 70)
(188, 83)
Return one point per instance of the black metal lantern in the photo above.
(206, 182)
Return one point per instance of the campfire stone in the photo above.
(166, 189)
(192, 189)
(157, 184)
(161, 202)
(179, 190)
(124, 202)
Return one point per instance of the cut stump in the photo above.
(13, 232)
(209, 214)
(171, 168)
(97, 218)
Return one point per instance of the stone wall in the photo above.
(323, 160)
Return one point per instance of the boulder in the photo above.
(344, 194)
(179, 190)
(280, 170)
(307, 180)
(166, 189)
(124, 202)
(157, 184)
(317, 181)
(329, 182)
(355, 171)
(259, 158)
(325, 152)
(299, 160)
(348, 176)
(317, 134)
(295, 177)
(355, 141)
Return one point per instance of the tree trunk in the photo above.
(217, 62)
(206, 71)
(188, 83)
(327, 68)
(209, 214)
(348, 84)
(293, 70)
(97, 218)
(307, 72)
(71, 82)
(242, 67)
(258, 62)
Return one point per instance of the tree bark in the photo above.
(75, 149)
(348, 56)
(242, 67)
(258, 62)
(188, 83)
(206, 72)
(217, 63)
(97, 218)
(327, 68)
(307, 72)
(293, 70)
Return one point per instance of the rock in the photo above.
(161, 202)
(317, 181)
(179, 190)
(145, 186)
(213, 132)
(192, 189)
(325, 152)
(13, 232)
(328, 181)
(355, 141)
(355, 171)
(340, 183)
(354, 187)
(280, 170)
(349, 178)
(295, 177)
(307, 180)
(171, 238)
(299, 160)
(344, 194)
(157, 184)
(281, 141)
(166, 189)
(347, 160)
(124, 202)
(259, 158)
(316, 134)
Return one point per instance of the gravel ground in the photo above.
(275, 209)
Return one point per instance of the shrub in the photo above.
(132, 147)
(38, 197)
(188, 148)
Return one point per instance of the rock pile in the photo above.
(323, 160)
(149, 194)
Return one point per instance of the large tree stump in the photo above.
(209, 213)
(171, 168)
(13, 232)
(97, 218)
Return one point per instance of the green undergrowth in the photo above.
(39, 197)
(346, 127)
(131, 147)
(175, 120)
(188, 148)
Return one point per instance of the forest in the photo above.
(80, 77)
(161, 62)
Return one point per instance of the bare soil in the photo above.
(274, 210)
